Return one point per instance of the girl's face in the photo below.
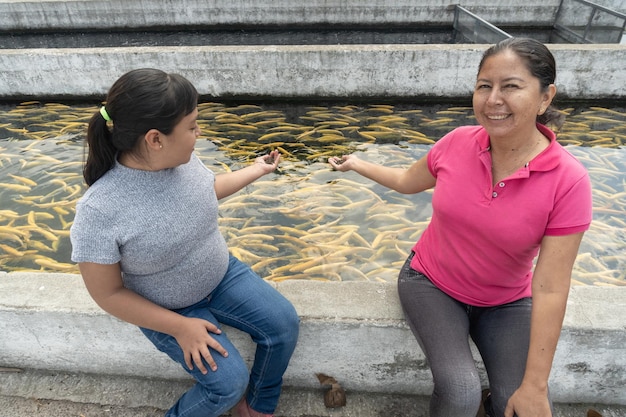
(179, 144)
(507, 97)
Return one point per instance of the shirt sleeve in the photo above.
(438, 151)
(93, 237)
(572, 211)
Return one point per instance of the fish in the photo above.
(16, 187)
(54, 265)
(305, 213)
(26, 181)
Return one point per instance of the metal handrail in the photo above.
(584, 38)
(479, 24)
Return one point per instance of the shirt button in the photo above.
(494, 195)
(502, 184)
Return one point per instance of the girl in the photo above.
(147, 243)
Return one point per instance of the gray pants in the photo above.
(442, 327)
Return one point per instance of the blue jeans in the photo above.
(244, 301)
(443, 326)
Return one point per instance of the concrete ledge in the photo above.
(115, 14)
(316, 71)
(354, 331)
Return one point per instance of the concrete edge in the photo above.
(114, 14)
(46, 394)
(395, 72)
(353, 331)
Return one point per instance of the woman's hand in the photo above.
(528, 401)
(344, 163)
(195, 340)
(268, 162)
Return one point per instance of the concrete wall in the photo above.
(333, 71)
(97, 14)
(438, 72)
(354, 331)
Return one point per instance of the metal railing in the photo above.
(469, 28)
(581, 21)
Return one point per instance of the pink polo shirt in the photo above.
(480, 244)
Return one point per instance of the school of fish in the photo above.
(305, 221)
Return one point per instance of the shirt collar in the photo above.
(547, 160)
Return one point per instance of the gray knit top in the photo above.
(161, 226)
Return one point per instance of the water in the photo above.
(252, 36)
(305, 221)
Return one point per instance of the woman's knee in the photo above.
(458, 396)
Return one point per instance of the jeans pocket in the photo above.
(408, 274)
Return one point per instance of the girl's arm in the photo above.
(104, 283)
(231, 182)
(550, 288)
(406, 181)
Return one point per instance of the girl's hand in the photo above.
(343, 163)
(268, 162)
(195, 340)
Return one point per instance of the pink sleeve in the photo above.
(572, 211)
(437, 151)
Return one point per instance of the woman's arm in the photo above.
(550, 288)
(231, 182)
(104, 283)
(406, 181)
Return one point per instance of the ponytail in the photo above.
(101, 152)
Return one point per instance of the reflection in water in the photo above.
(306, 221)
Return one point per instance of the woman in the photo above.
(147, 242)
(504, 192)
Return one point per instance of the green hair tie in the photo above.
(104, 114)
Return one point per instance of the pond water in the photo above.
(245, 36)
(305, 221)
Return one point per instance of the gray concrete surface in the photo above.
(58, 345)
(433, 72)
(398, 71)
(60, 355)
(49, 394)
(94, 14)
(27, 15)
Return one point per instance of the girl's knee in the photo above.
(230, 380)
(287, 326)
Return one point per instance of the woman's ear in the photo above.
(153, 139)
(547, 98)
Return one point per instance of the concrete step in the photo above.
(32, 393)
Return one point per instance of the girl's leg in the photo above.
(217, 391)
(245, 301)
(502, 335)
(441, 326)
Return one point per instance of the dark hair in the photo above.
(138, 101)
(539, 62)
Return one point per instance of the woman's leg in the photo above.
(441, 327)
(502, 335)
(216, 392)
(245, 301)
